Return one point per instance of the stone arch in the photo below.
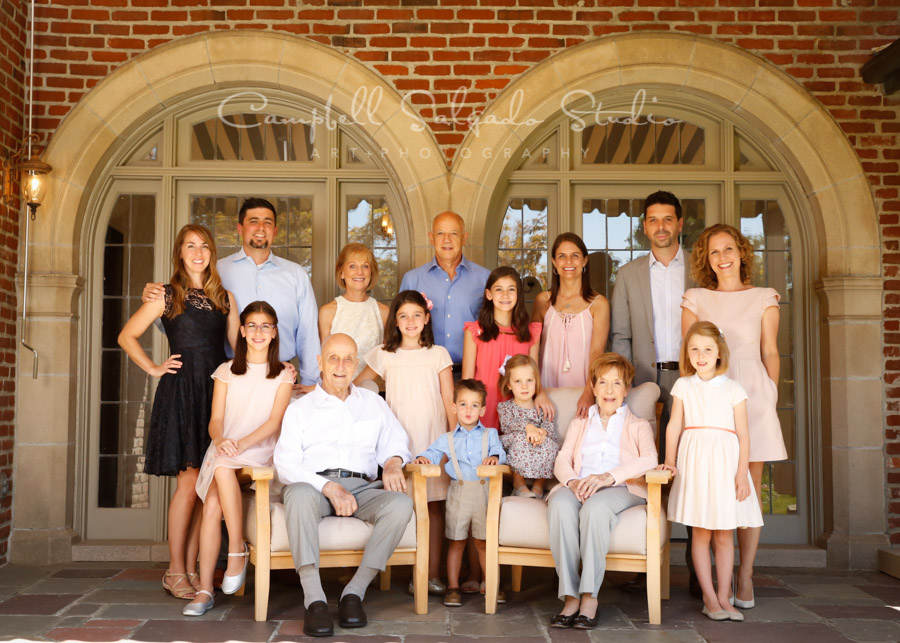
(840, 212)
(80, 147)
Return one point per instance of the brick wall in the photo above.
(12, 30)
(483, 45)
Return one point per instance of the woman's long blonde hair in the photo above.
(702, 272)
(212, 284)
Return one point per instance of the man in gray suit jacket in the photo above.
(646, 302)
(646, 308)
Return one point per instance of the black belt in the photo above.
(341, 473)
(667, 366)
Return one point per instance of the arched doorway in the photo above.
(824, 200)
(133, 161)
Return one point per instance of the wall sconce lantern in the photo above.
(31, 174)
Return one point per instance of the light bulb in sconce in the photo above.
(34, 180)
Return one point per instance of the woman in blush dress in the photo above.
(355, 313)
(575, 321)
(722, 264)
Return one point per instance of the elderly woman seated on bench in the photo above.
(599, 468)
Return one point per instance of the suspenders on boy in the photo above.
(452, 451)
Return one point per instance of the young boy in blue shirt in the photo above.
(469, 445)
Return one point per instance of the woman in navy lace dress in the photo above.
(198, 314)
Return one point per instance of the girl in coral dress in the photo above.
(502, 330)
(712, 488)
(418, 384)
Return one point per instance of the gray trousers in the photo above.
(388, 511)
(665, 380)
(579, 533)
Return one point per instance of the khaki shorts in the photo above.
(466, 505)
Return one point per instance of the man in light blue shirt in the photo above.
(454, 284)
(255, 273)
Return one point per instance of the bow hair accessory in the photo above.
(428, 302)
(502, 369)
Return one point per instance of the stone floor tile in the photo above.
(143, 596)
(132, 623)
(20, 576)
(879, 578)
(424, 638)
(148, 611)
(86, 572)
(868, 630)
(832, 578)
(888, 593)
(818, 601)
(646, 636)
(832, 591)
(81, 609)
(88, 633)
(569, 635)
(778, 610)
(396, 629)
(55, 585)
(202, 631)
(20, 627)
(37, 603)
(506, 625)
(870, 612)
(141, 574)
(128, 585)
(729, 632)
(773, 591)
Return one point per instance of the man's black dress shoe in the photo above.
(351, 611)
(582, 622)
(563, 620)
(317, 621)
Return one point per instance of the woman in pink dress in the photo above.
(502, 330)
(722, 264)
(575, 320)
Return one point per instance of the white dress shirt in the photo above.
(320, 431)
(666, 289)
(600, 446)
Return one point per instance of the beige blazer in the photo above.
(631, 317)
(637, 454)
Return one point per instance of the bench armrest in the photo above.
(259, 473)
(657, 477)
(426, 470)
(492, 470)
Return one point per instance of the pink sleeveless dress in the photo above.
(739, 316)
(567, 348)
(489, 357)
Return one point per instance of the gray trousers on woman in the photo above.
(388, 511)
(579, 533)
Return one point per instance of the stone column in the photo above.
(44, 479)
(852, 421)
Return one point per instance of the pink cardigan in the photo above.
(637, 453)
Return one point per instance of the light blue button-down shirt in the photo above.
(455, 302)
(468, 450)
(286, 287)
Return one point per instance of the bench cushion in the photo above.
(335, 533)
(523, 523)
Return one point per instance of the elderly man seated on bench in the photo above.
(332, 442)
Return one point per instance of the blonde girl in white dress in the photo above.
(712, 487)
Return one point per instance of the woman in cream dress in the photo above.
(355, 313)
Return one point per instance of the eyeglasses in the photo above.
(266, 328)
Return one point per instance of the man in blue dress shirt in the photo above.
(454, 284)
(255, 273)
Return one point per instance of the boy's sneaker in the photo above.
(453, 597)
